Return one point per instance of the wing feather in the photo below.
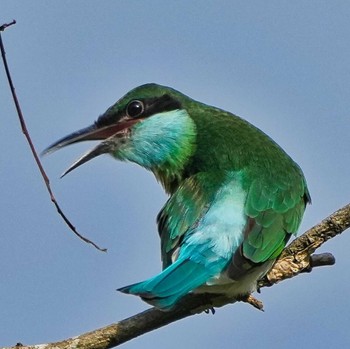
(183, 210)
(276, 205)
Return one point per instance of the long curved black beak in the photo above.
(91, 133)
(85, 134)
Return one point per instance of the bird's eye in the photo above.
(135, 109)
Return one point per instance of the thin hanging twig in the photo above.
(32, 148)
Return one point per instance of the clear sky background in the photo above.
(282, 65)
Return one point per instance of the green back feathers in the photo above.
(193, 154)
(275, 186)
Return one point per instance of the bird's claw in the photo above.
(252, 301)
(212, 310)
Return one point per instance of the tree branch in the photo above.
(296, 258)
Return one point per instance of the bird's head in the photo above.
(149, 126)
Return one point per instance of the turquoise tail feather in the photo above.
(165, 289)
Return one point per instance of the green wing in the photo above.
(275, 207)
(183, 210)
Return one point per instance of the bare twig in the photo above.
(5, 25)
(297, 258)
(32, 148)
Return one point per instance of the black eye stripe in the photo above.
(162, 104)
(150, 106)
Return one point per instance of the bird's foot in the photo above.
(252, 301)
(212, 310)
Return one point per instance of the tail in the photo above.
(166, 288)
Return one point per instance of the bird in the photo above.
(235, 197)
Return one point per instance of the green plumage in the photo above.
(275, 185)
(235, 196)
(184, 209)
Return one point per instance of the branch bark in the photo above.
(296, 258)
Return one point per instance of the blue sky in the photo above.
(282, 65)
